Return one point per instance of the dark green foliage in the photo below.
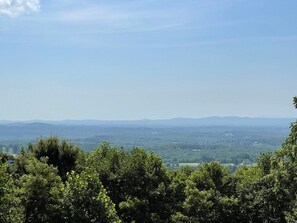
(291, 217)
(5, 157)
(59, 153)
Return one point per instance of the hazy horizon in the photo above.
(144, 119)
(148, 59)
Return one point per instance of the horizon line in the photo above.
(143, 119)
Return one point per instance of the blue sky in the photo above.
(155, 59)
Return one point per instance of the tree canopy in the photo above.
(53, 180)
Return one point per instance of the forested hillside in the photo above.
(227, 143)
(53, 180)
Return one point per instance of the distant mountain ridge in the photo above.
(179, 122)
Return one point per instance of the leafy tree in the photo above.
(41, 192)
(284, 171)
(85, 200)
(178, 184)
(291, 217)
(59, 153)
(263, 191)
(148, 186)
(113, 185)
(137, 182)
(245, 178)
(10, 212)
(21, 162)
(209, 196)
(267, 191)
(109, 163)
(5, 157)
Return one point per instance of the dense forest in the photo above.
(53, 180)
(232, 143)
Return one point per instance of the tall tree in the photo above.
(85, 200)
(267, 191)
(60, 153)
(136, 181)
(10, 210)
(41, 193)
(209, 196)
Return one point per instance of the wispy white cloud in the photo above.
(123, 17)
(15, 8)
(108, 14)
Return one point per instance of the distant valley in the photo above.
(225, 139)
